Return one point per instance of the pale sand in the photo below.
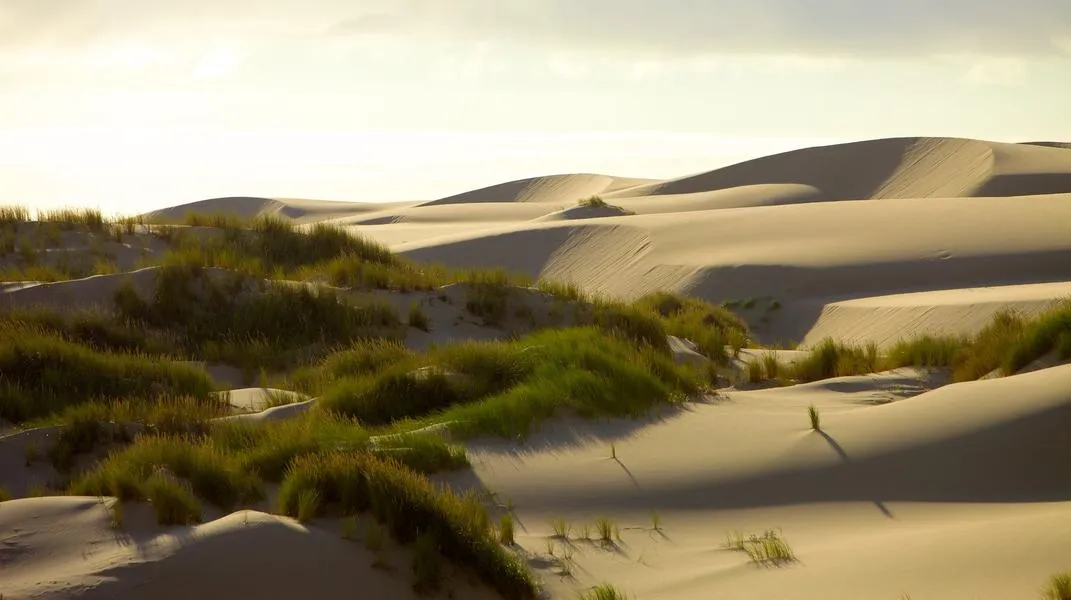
(947, 494)
(66, 546)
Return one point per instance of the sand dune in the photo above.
(891, 168)
(804, 256)
(550, 188)
(927, 469)
(70, 544)
(246, 207)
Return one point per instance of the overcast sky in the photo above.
(128, 104)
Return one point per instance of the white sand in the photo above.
(951, 493)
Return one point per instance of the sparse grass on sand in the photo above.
(815, 418)
(766, 549)
(1058, 588)
(592, 201)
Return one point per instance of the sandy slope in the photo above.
(884, 320)
(250, 207)
(62, 547)
(951, 492)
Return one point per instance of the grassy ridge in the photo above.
(1007, 344)
(44, 373)
(504, 388)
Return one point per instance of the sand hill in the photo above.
(906, 485)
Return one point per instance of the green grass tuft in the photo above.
(603, 592)
(1058, 588)
(505, 530)
(815, 418)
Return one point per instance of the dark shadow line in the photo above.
(844, 456)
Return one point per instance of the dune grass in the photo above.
(709, 326)
(507, 388)
(44, 373)
(1007, 344)
(592, 202)
(1058, 587)
(410, 507)
(227, 317)
(769, 548)
(208, 472)
(603, 592)
(831, 359)
(815, 418)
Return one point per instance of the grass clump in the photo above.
(5, 495)
(221, 315)
(44, 373)
(418, 318)
(832, 359)
(768, 548)
(603, 592)
(584, 371)
(605, 528)
(505, 530)
(410, 507)
(595, 201)
(561, 528)
(709, 326)
(815, 418)
(210, 474)
(1058, 588)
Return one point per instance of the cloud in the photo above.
(634, 29)
(830, 27)
(999, 71)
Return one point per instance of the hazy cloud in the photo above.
(900, 28)
(891, 28)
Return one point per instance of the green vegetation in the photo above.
(505, 530)
(815, 418)
(592, 202)
(710, 327)
(45, 373)
(410, 507)
(111, 377)
(766, 549)
(1058, 588)
(4, 494)
(561, 528)
(1009, 343)
(831, 359)
(603, 592)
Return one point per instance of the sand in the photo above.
(951, 492)
(914, 486)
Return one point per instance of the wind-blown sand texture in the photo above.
(912, 486)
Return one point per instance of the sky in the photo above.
(130, 105)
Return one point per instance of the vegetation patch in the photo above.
(44, 373)
(410, 507)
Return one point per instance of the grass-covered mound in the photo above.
(227, 316)
(43, 373)
(504, 388)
